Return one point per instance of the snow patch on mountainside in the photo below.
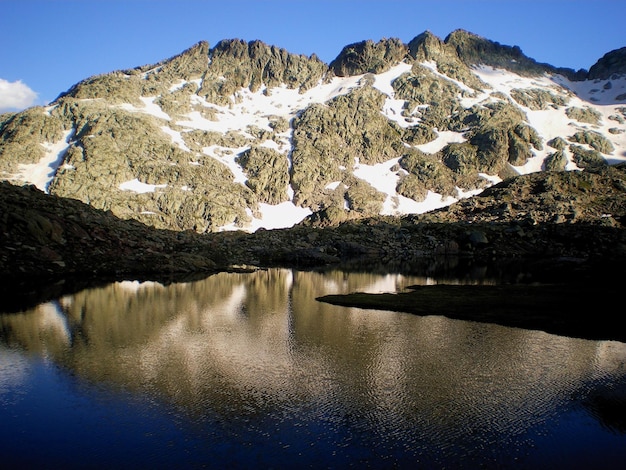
(149, 107)
(443, 138)
(41, 173)
(227, 157)
(177, 138)
(138, 187)
(283, 215)
(432, 66)
(598, 92)
(554, 122)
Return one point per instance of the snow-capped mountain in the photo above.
(248, 136)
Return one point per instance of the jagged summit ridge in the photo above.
(612, 64)
(246, 135)
(460, 45)
(368, 57)
(476, 50)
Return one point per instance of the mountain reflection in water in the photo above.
(259, 372)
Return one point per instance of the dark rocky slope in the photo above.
(545, 215)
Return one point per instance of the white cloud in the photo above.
(15, 95)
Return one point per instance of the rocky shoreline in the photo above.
(545, 215)
(565, 227)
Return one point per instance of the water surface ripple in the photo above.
(248, 370)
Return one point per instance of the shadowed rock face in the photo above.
(612, 63)
(546, 215)
(474, 49)
(44, 235)
(555, 309)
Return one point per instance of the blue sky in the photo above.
(46, 46)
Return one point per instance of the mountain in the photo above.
(244, 135)
(565, 226)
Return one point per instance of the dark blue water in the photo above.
(248, 371)
(51, 419)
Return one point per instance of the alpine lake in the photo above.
(252, 370)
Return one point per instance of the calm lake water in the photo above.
(250, 371)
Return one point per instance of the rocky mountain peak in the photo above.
(253, 64)
(191, 64)
(612, 63)
(368, 57)
(474, 49)
(426, 46)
